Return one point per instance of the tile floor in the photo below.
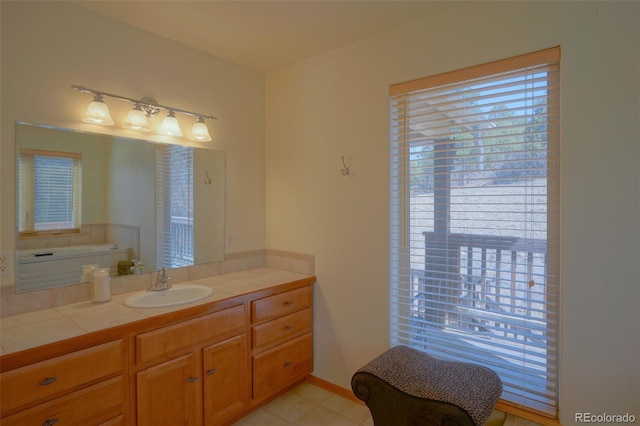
(309, 405)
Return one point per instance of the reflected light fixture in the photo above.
(136, 120)
(170, 125)
(98, 113)
(200, 131)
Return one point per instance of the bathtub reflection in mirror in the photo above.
(158, 204)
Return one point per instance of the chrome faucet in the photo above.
(162, 281)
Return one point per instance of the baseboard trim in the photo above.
(333, 388)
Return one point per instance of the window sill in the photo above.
(527, 413)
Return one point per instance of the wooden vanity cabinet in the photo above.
(212, 369)
(208, 366)
(180, 368)
(85, 387)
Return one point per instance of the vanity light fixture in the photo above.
(137, 120)
(170, 125)
(98, 113)
(199, 131)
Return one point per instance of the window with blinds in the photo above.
(49, 192)
(174, 206)
(475, 221)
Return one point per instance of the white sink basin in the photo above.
(178, 294)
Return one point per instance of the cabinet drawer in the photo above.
(159, 343)
(280, 304)
(95, 405)
(281, 366)
(282, 329)
(53, 377)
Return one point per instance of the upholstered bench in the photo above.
(404, 386)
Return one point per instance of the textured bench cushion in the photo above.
(471, 387)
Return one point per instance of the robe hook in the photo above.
(345, 170)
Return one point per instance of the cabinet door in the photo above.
(167, 393)
(226, 381)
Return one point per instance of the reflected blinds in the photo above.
(174, 206)
(474, 206)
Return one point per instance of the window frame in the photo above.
(401, 189)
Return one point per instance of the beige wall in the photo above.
(48, 46)
(336, 104)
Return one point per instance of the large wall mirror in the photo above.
(91, 200)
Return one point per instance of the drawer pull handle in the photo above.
(47, 381)
(288, 328)
(192, 379)
(288, 365)
(212, 371)
(288, 303)
(50, 422)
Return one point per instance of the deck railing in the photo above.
(182, 245)
(482, 284)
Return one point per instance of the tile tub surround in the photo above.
(32, 329)
(12, 303)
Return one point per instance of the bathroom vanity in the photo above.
(207, 363)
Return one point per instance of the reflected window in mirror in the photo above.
(118, 208)
(174, 206)
(49, 192)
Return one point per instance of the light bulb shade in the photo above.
(200, 132)
(170, 126)
(136, 120)
(98, 113)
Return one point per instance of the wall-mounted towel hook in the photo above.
(345, 170)
(207, 180)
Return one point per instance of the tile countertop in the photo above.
(38, 328)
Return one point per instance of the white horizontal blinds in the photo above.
(49, 191)
(181, 208)
(174, 206)
(162, 206)
(475, 224)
